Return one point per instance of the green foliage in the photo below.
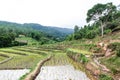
(83, 58)
(112, 25)
(10, 31)
(115, 47)
(76, 29)
(118, 52)
(88, 31)
(98, 10)
(77, 36)
(113, 63)
(69, 37)
(107, 31)
(101, 13)
(90, 35)
(80, 56)
(6, 39)
(95, 11)
(105, 77)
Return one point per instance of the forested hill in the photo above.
(53, 31)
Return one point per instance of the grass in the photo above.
(112, 63)
(2, 58)
(79, 51)
(13, 52)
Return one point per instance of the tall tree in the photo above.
(76, 29)
(102, 13)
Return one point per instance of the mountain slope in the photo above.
(54, 31)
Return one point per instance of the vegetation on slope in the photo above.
(105, 19)
(106, 22)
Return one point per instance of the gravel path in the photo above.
(12, 74)
(65, 72)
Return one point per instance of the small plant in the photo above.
(105, 77)
(83, 58)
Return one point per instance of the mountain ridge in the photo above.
(52, 30)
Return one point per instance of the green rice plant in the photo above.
(31, 51)
(12, 52)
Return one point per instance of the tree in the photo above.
(76, 29)
(102, 13)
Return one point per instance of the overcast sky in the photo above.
(60, 13)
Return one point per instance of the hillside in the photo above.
(54, 31)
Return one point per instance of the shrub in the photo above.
(91, 35)
(107, 31)
(114, 46)
(77, 36)
(83, 58)
(118, 53)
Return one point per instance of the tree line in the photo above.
(106, 19)
(10, 31)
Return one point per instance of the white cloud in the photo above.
(61, 13)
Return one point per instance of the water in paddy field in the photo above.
(66, 72)
(59, 68)
(12, 74)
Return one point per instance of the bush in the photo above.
(107, 31)
(15, 43)
(114, 46)
(91, 35)
(105, 77)
(118, 53)
(77, 36)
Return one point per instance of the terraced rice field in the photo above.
(60, 67)
(17, 59)
(26, 58)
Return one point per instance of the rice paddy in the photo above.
(26, 57)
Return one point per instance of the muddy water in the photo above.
(66, 72)
(59, 68)
(12, 74)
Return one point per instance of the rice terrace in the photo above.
(83, 42)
